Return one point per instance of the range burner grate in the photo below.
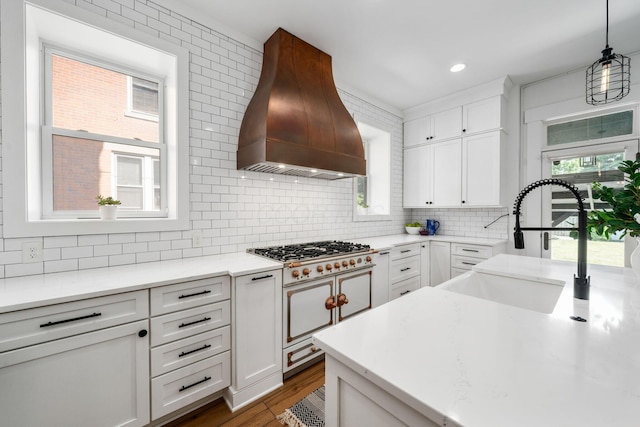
(308, 251)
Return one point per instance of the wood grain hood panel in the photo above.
(296, 117)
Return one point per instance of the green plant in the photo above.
(102, 201)
(624, 203)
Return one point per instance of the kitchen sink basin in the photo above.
(535, 295)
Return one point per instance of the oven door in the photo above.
(354, 293)
(307, 309)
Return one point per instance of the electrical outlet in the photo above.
(197, 239)
(31, 252)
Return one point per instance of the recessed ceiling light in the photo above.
(281, 166)
(457, 67)
(314, 170)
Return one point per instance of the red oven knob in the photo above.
(336, 265)
(329, 267)
(306, 271)
(345, 263)
(368, 258)
(352, 261)
(320, 269)
(295, 273)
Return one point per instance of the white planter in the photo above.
(108, 212)
(635, 259)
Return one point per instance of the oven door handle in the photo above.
(342, 300)
(330, 303)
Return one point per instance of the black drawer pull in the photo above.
(182, 325)
(470, 250)
(185, 353)
(468, 263)
(196, 294)
(88, 316)
(262, 277)
(185, 387)
(404, 293)
(405, 251)
(406, 269)
(384, 253)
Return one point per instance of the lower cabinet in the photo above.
(97, 378)
(404, 270)
(256, 337)
(191, 342)
(439, 262)
(464, 256)
(380, 278)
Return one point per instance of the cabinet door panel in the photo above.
(416, 131)
(418, 163)
(440, 262)
(447, 169)
(447, 124)
(482, 116)
(481, 169)
(96, 379)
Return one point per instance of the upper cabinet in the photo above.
(456, 157)
(436, 127)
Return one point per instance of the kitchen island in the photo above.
(439, 358)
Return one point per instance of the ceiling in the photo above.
(399, 52)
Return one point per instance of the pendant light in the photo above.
(608, 79)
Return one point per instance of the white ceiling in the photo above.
(399, 51)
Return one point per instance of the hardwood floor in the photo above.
(262, 412)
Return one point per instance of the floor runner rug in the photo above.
(307, 412)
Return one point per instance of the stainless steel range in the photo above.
(324, 283)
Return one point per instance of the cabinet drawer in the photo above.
(181, 353)
(404, 287)
(463, 262)
(167, 299)
(405, 251)
(478, 251)
(37, 325)
(183, 324)
(181, 387)
(405, 268)
(299, 354)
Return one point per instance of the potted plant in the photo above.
(108, 207)
(624, 212)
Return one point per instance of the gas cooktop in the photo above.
(310, 251)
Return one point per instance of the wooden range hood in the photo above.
(296, 118)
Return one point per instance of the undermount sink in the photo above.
(535, 295)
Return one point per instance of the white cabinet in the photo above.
(404, 270)
(190, 339)
(424, 265)
(439, 262)
(380, 278)
(481, 116)
(464, 164)
(256, 337)
(482, 169)
(436, 127)
(465, 255)
(433, 175)
(95, 376)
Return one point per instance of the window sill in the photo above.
(93, 226)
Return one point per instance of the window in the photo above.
(373, 191)
(99, 108)
(592, 128)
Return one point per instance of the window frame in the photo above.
(22, 31)
(132, 112)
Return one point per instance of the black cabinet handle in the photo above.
(468, 263)
(185, 387)
(463, 201)
(406, 269)
(182, 325)
(186, 353)
(196, 294)
(404, 293)
(384, 253)
(405, 251)
(142, 333)
(262, 277)
(88, 316)
(470, 250)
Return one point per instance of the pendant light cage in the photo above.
(609, 78)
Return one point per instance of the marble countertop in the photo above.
(31, 291)
(481, 363)
(388, 242)
(25, 292)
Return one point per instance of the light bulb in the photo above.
(604, 79)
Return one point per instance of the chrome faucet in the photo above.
(581, 281)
